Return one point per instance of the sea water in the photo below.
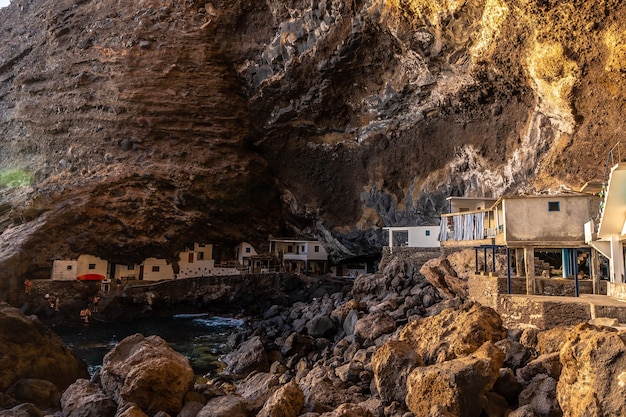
(201, 338)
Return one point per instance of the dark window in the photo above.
(69, 267)
(428, 233)
(289, 249)
(190, 257)
(247, 250)
(554, 206)
(200, 256)
(156, 268)
(92, 266)
(131, 267)
(317, 248)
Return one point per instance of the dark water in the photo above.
(200, 338)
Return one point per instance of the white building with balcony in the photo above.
(296, 255)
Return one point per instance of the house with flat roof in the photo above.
(547, 228)
(412, 237)
(299, 255)
(85, 268)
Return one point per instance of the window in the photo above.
(302, 248)
(289, 249)
(69, 267)
(190, 257)
(247, 250)
(316, 248)
(554, 206)
(131, 267)
(92, 266)
(200, 256)
(428, 233)
(156, 268)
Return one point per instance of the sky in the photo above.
(4, 3)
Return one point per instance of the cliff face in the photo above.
(130, 129)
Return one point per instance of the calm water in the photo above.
(200, 338)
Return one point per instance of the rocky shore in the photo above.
(404, 342)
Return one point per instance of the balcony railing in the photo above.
(468, 226)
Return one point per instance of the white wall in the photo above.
(197, 262)
(528, 220)
(63, 270)
(165, 271)
(127, 272)
(245, 251)
(89, 264)
(418, 236)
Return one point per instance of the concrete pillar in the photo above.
(529, 266)
(594, 264)
(519, 262)
(617, 260)
(390, 241)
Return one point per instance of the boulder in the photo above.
(340, 313)
(85, 399)
(392, 363)
(147, 372)
(191, 409)
(458, 386)
(250, 356)
(453, 332)
(134, 411)
(32, 351)
(323, 390)
(508, 386)
(256, 388)
(516, 354)
(350, 372)
(548, 364)
(321, 326)
(348, 410)
(593, 378)
(551, 341)
(227, 406)
(287, 401)
(22, 410)
(350, 322)
(41, 393)
(524, 411)
(297, 344)
(540, 395)
(374, 325)
(440, 274)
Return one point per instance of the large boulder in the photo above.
(29, 350)
(373, 325)
(147, 372)
(440, 274)
(256, 388)
(40, 392)
(457, 386)
(453, 332)
(593, 377)
(321, 326)
(250, 356)
(348, 410)
(85, 399)
(540, 395)
(287, 401)
(227, 406)
(392, 363)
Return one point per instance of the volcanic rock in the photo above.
(32, 351)
(147, 372)
(227, 406)
(287, 401)
(373, 325)
(250, 356)
(594, 364)
(453, 333)
(392, 363)
(458, 385)
(86, 399)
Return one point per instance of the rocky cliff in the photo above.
(130, 129)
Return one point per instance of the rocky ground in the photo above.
(394, 346)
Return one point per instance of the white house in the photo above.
(127, 272)
(155, 269)
(534, 226)
(64, 270)
(85, 268)
(244, 253)
(413, 236)
(608, 232)
(297, 255)
(196, 262)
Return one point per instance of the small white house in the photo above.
(196, 262)
(300, 255)
(244, 253)
(413, 236)
(85, 268)
(127, 272)
(154, 269)
(64, 270)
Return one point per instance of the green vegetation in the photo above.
(15, 177)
